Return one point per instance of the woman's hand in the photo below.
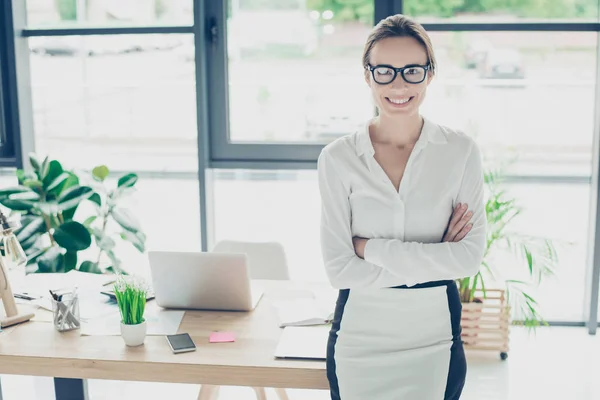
(459, 224)
(359, 246)
(458, 227)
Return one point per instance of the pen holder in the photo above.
(66, 313)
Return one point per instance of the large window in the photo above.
(525, 96)
(295, 73)
(125, 100)
(284, 206)
(260, 86)
(64, 13)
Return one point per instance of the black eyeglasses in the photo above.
(384, 74)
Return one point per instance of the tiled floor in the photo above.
(556, 363)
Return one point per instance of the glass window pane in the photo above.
(133, 112)
(295, 71)
(502, 10)
(64, 13)
(272, 200)
(561, 297)
(525, 96)
(130, 110)
(282, 206)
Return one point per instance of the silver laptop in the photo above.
(202, 281)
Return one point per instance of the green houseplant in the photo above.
(48, 197)
(112, 222)
(535, 256)
(131, 299)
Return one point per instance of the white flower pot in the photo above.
(133, 335)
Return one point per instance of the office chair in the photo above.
(266, 260)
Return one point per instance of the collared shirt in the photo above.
(405, 227)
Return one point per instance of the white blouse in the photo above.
(405, 227)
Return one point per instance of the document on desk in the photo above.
(303, 342)
(158, 321)
(92, 304)
(39, 284)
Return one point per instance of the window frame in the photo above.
(9, 114)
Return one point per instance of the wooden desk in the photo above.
(36, 348)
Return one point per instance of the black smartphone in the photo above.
(181, 343)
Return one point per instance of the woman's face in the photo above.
(398, 97)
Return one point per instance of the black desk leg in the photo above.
(70, 389)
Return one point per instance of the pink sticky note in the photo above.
(221, 337)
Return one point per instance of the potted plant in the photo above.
(57, 229)
(131, 298)
(492, 294)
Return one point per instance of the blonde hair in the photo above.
(399, 26)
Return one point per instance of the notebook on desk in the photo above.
(304, 342)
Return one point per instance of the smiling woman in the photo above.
(402, 212)
(391, 51)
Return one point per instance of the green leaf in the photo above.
(58, 183)
(100, 173)
(29, 242)
(34, 161)
(73, 236)
(529, 259)
(44, 169)
(89, 221)
(91, 267)
(54, 170)
(114, 259)
(25, 196)
(5, 193)
(47, 208)
(21, 176)
(52, 260)
(106, 243)
(71, 181)
(98, 234)
(33, 184)
(30, 225)
(17, 205)
(127, 180)
(34, 251)
(73, 196)
(95, 198)
(70, 260)
(126, 219)
(138, 239)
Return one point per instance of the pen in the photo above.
(24, 296)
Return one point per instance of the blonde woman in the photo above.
(402, 217)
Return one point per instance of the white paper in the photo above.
(158, 321)
(39, 284)
(303, 342)
(92, 304)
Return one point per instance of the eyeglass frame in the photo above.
(426, 67)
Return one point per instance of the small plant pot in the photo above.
(133, 335)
